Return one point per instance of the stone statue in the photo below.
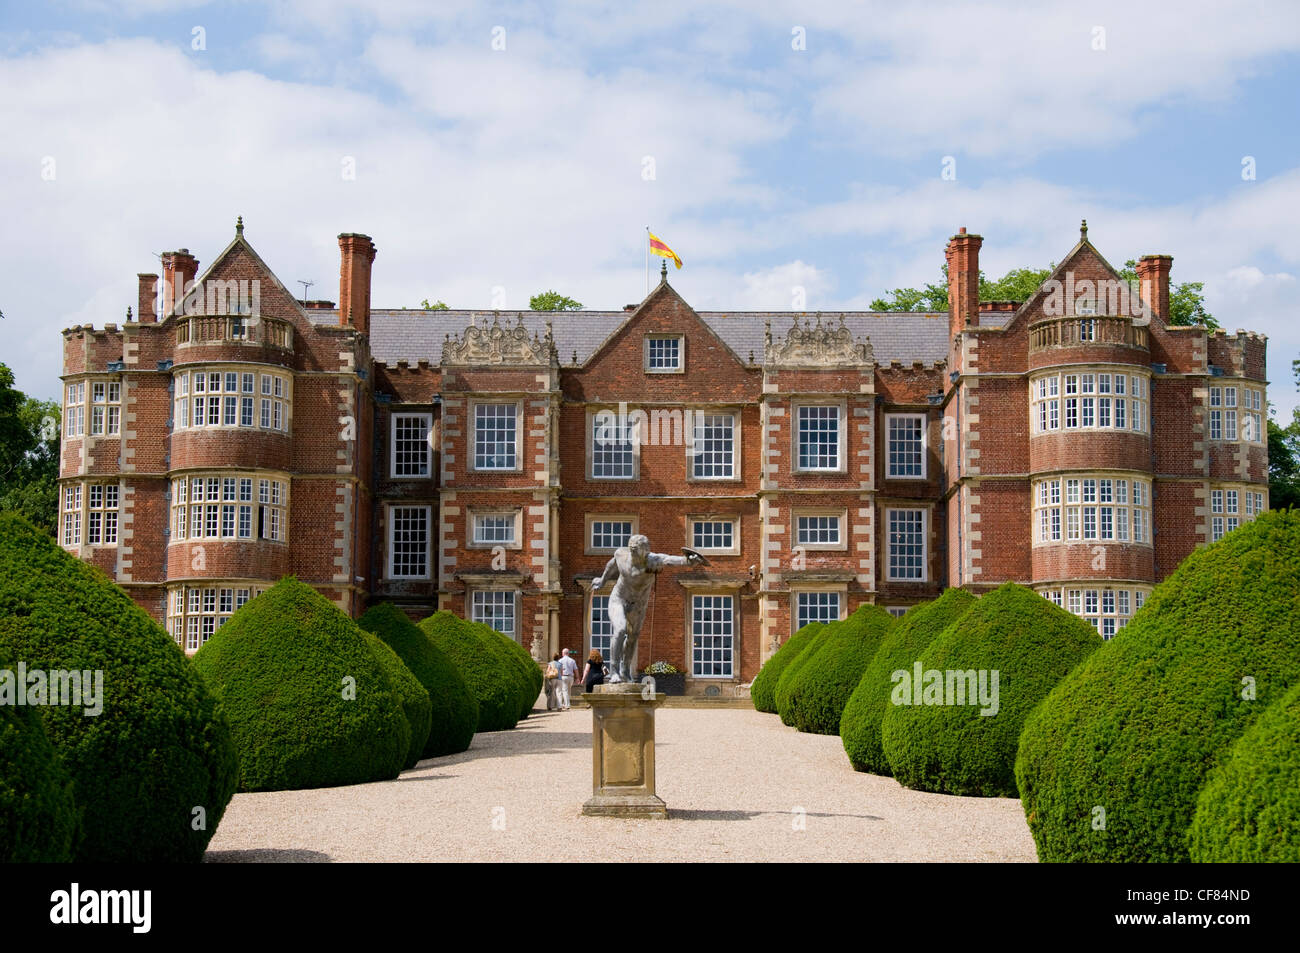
(632, 570)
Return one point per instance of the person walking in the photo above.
(594, 672)
(551, 681)
(568, 668)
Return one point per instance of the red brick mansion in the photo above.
(228, 434)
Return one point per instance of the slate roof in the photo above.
(414, 334)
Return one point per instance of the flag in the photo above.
(657, 247)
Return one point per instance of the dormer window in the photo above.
(665, 354)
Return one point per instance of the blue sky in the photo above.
(520, 168)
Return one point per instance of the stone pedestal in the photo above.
(623, 752)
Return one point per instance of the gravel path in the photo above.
(734, 782)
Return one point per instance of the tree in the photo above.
(553, 301)
(1186, 299)
(29, 454)
(1284, 465)
(438, 305)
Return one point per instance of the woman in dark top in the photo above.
(594, 673)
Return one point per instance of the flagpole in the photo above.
(647, 259)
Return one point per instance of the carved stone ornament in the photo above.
(817, 345)
(498, 343)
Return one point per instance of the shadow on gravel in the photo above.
(678, 815)
(524, 742)
(266, 855)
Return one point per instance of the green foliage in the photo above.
(553, 301)
(160, 747)
(1284, 465)
(481, 664)
(417, 707)
(820, 690)
(1186, 300)
(438, 305)
(455, 709)
(784, 683)
(1018, 284)
(900, 648)
(38, 819)
(309, 704)
(954, 748)
(528, 675)
(29, 455)
(762, 691)
(1249, 810)
(1136, 729)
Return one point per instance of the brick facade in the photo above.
(231, 434)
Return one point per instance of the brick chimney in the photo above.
(146, 306)
(179, 269)
(1153, 283)
(356, 252)
(963, 254)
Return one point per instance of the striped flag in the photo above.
(658, 247)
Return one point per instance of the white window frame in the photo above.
(391, 526)
(474, 596)
(591, 518)
(734, 521)
(841, 518)
(427, 420)
(664, 336)
(731, 638)
(594, 416)
(693, 460)
(923, 421)
(796, 413)
(473, 436)
(515, 516)
(797, 616)
(890, 575)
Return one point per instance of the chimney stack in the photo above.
(179, 269)
(963, 254)
(1153, 283)
(356, 252)
(146, 311)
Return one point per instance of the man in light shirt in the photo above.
(568, 669)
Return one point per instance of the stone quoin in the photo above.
(464, 460)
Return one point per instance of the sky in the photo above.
(788, 151)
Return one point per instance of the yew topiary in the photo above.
(978, 680)
(38, 819)
(494, 684)
(454, 708)
(899, 649)
(310, 705)
(416, 705)
(786, 681)
(1249, 810)
(158, 757)
(1133, 733)
(762, 691)
(820, 690)
(521, 663)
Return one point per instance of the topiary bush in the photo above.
(821, 689)
(1137, 728)
(1249, 810)
(762, 691)
(945, 743)
(517, 657)
(784, 683)
(494, 685)
(310, 706)
(454, 707)
(159, 749)
(38, 819)
(899, 649)
(417, 708)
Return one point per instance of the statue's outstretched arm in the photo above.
(658, 561)
(609, 574)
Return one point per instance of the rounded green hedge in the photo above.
(494, 685)
(950, 748)
(455, 709)
(159, 749)
(310, 705)
(1135, 730)
(822, 687)
(416, 704)
(1249, 810)
(784, 683)
(38, 819)
(762, 691)
(899, 649)
(530, 675)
